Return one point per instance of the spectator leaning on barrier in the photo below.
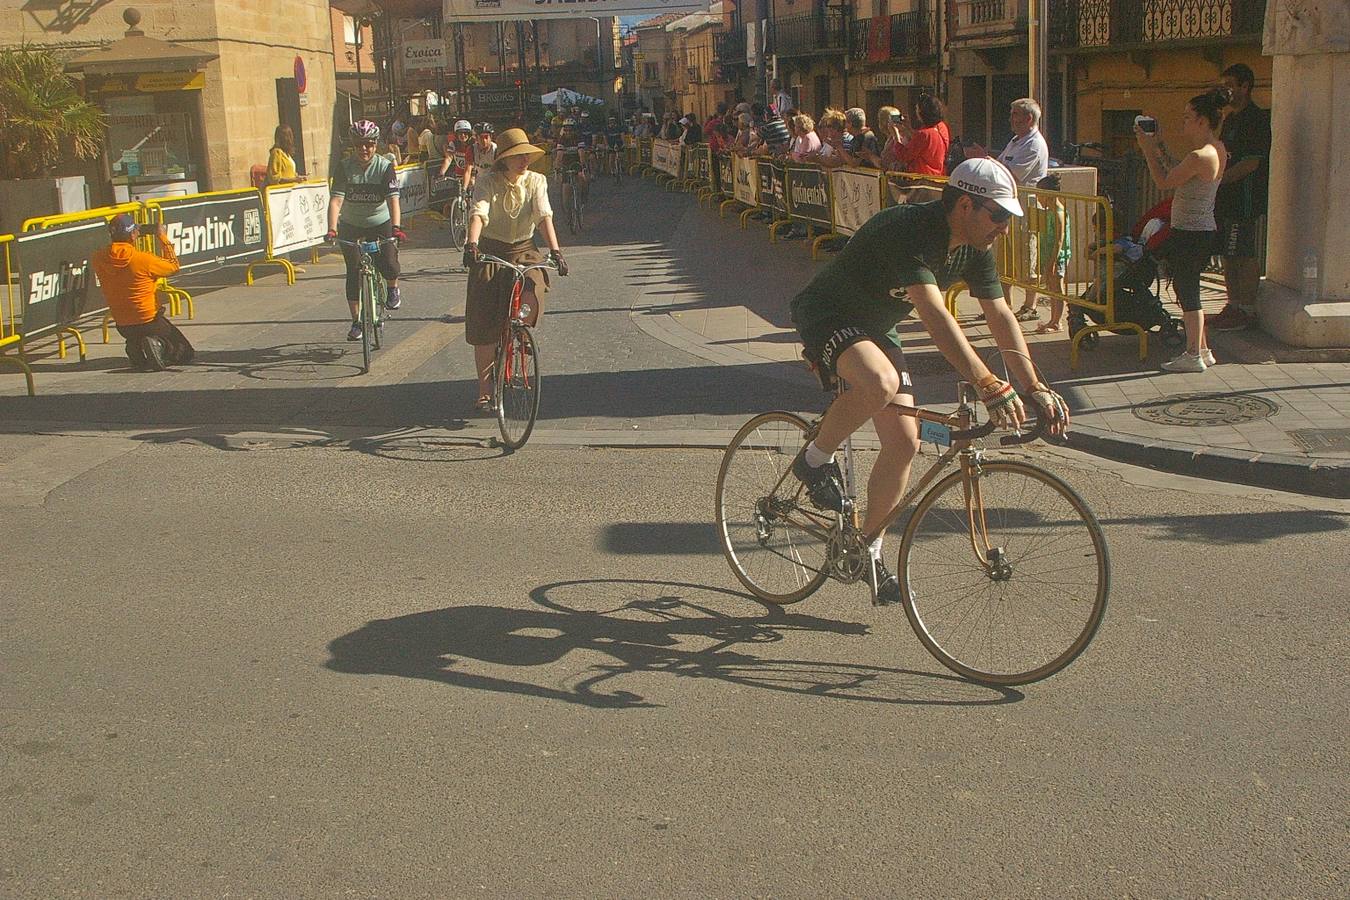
(1027, 155)
(860, 144)
(1240, 207)
(281, 159)
(806, 143)
(924, 150)
(830, 131)
(128, 278)
(889, 120)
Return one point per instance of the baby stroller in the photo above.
(1138, 279)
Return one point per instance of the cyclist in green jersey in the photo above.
(364, 207)
(902, 260)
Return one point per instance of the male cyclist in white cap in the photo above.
(903, 259)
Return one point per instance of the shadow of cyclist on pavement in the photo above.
(593, 632)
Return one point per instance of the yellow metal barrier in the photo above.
(9, 321)
(286, 265)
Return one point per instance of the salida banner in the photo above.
(297, 216)
(808, 193)
(771, 187)
(666, 157)
(55, 276)
(744, 171)
(857, 197)
(213, 230)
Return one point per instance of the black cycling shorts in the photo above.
(826, 341)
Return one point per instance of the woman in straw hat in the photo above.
(508, 204)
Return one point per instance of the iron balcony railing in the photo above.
(1133, 24)
(729, 47)
(808, 35)
(857, 48)
(913, 35)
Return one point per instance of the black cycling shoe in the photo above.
(885, 587)
(824, 484)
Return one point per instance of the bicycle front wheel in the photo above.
(367, 321)
(775, 542)
(516, 385)
(459, 222)
(1005, 573)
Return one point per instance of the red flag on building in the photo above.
(879, 39)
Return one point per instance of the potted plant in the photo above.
(43, 122)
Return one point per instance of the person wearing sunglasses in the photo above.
(902, 260)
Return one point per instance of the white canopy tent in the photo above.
(567, 97)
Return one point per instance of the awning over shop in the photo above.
(138, 53)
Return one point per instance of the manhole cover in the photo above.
(1199, 410)
(1323, 440)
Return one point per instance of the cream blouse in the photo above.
(510, 212)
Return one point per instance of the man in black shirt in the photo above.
(860, 144)
(1240, 206)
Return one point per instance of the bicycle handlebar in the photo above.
(519, 270)
(1036, 433)
(379, 242)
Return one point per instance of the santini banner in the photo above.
(498, 10)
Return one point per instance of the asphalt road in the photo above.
(296, 661)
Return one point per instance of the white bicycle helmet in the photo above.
(463, 125)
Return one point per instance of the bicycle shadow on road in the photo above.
(637, 627)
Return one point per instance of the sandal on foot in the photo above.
(483, 406)
(1049, 327)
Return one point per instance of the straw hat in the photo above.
(514, 142)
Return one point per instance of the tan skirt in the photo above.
(489, 298)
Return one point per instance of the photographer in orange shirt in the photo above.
(129, 278)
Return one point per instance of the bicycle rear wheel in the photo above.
(516, 385)
(1005, 573)
(776, 543)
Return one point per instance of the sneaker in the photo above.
(355, 333)
(1186, 362)
(392, 299)
(886, 587)
(1207, 357)
(1231, 318)
(824, 484)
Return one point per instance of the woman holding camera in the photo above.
(1194, 182)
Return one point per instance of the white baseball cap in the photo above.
(988, 179)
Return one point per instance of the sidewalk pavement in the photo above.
(1267, 415)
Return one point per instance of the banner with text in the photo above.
(441, 189)
(698, 163)
(857, 195)
(297, 216)
(212, 229)
(412, 189)
(725, 179)
(666, 157)
(645, 152)
(507, 10)
(808, 193)
(56, 281)
(771, 187)
(744, 171)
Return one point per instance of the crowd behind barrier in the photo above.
(50, 289)
(831, 204)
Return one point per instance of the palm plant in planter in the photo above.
(42, 115)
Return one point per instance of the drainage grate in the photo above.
(1322, 440)
(1200, 410)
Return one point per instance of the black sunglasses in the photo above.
(997, 214)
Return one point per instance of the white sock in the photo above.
(875, 548)
(816, 457)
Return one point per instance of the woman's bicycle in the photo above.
(374, 292)
(1003, 568)
(515, 371)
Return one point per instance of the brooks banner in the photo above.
(746, 180)
(55, 278)
(857, 197)
(297, 216)
(213, 229)
(499, 10)
(666, 157)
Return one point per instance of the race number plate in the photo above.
(935, 433)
